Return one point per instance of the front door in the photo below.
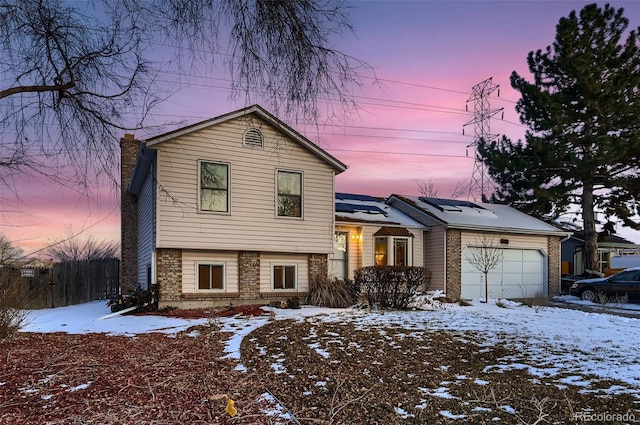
(338, 267)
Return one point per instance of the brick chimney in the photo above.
(129, 148)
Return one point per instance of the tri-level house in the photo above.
(241, 208)
(235, 209)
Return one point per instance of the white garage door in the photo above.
(520, 274)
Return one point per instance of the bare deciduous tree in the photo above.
(428, 188)
(74, 75)
(73, 249)
(484, 255)
(8, 251)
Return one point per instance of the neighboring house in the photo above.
(529, 248)
(609, 245)
(235, 209)
(370, 232)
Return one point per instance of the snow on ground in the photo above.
(602, 344)
(89, 317)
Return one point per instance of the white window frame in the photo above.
(228, 190)
(391, 253)
(273, 277)
(277, 194)
(211, 263)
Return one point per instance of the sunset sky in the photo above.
(427, 56)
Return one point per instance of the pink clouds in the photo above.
(428, 55)
(45, 212)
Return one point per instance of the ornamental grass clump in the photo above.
(325, 291)
(12, 314)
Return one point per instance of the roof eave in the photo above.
(348, 220)
(494, 229)
(144, 162)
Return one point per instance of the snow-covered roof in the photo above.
(475, 216)
(368, 209)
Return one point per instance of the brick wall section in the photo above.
(169, 274)
(249, 274)
(318, 265)
(453, 268)
(129, 148)
(554, 264)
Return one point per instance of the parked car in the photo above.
(567, 280)
(624, 283)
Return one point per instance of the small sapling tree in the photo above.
(484, 256)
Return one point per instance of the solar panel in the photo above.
(449, 204)
(354, 197)
(351, 208)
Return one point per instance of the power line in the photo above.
(371, 100)
(404, 83)
(397, 153)
(411, 139)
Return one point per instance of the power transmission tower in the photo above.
(481, 121)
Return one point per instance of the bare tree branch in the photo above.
(8, 252)
(74, 75)
(73, 249)
(484, 255)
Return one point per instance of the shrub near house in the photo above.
(391, 287)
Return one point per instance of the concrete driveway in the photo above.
(623, 310)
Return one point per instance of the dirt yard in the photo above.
(321, 372)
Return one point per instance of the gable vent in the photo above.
(253, 138)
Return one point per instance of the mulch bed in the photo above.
(205, 313)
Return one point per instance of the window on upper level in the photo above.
(214, 187)
(289, 193)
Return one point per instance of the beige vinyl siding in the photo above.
(267, 260)
(368, 247)
(435, 256)
(252, 223)
(146, 221)
(190, 260)
(515, 240)
(418, 247)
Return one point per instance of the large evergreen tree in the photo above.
(582, 111)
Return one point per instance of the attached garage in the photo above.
(528, 263)
(520, 273)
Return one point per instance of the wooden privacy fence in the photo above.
(67, 283)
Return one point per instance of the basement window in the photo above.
(211, 277)
(284, 276)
